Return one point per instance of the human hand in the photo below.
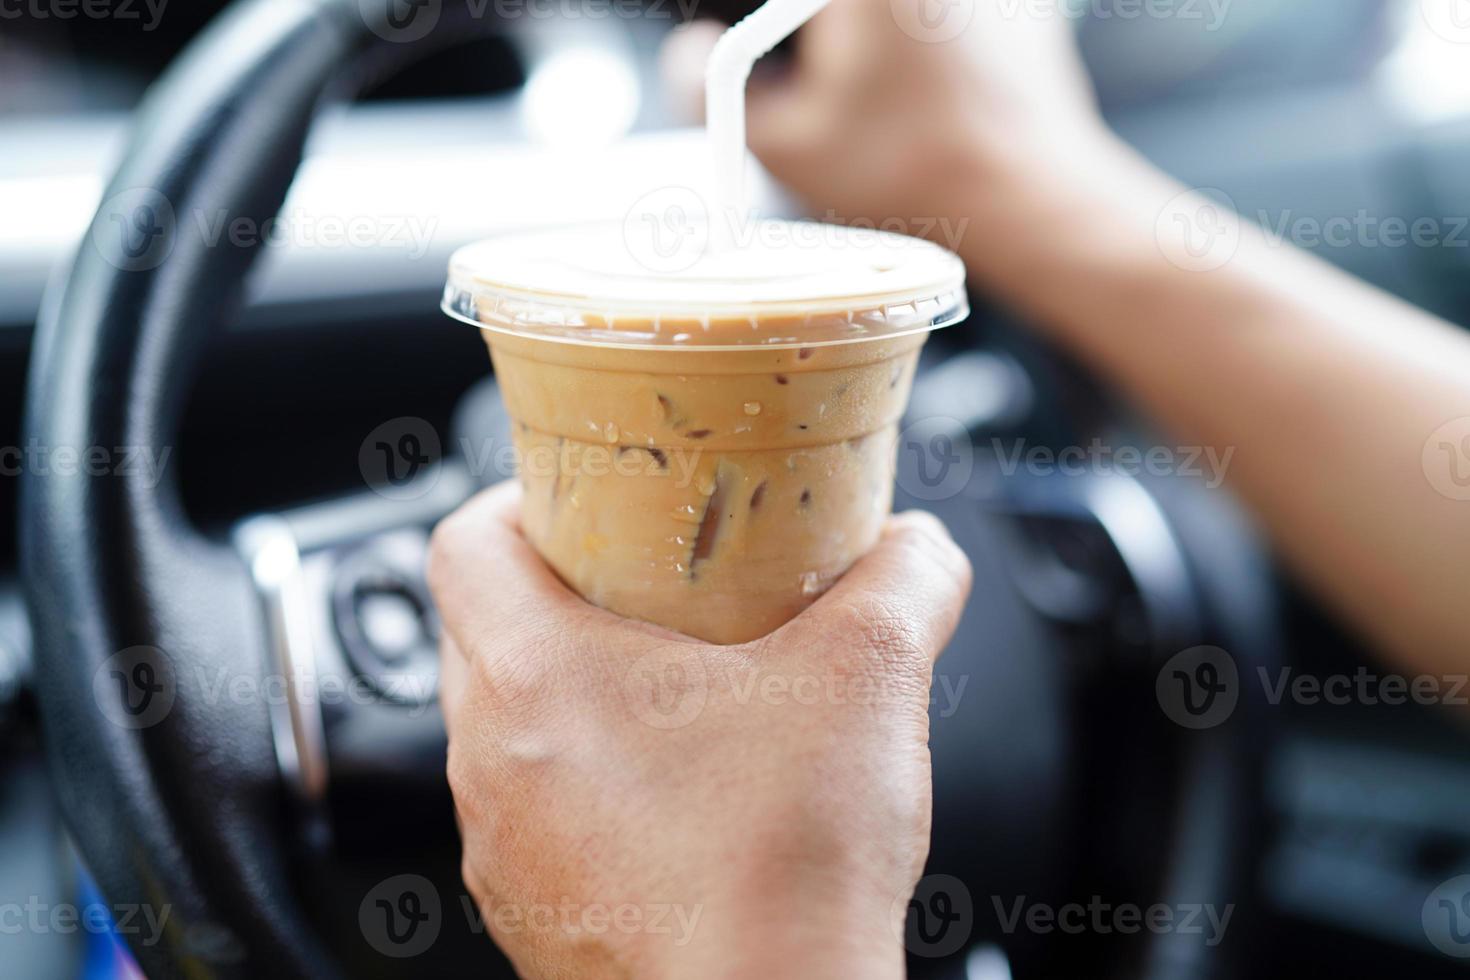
(872, 121)
(767, 804)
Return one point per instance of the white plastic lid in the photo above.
(785, 283)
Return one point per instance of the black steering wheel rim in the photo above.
(184, 808)
(179, 804)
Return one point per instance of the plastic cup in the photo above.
(707, 449)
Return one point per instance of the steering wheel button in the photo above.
(392, 623)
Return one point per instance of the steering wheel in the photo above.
(217, 808)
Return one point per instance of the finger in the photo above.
(487, 579)
(906, 596)
(495, 593)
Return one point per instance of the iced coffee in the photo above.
(708, 450)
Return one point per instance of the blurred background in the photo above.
(1305, 112)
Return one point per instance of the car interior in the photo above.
(243, 395)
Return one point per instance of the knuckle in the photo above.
(463, 780)
(931, 543)
(471, 878)
(441, 554)
(884, 635)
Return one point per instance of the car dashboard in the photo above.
(340, 334)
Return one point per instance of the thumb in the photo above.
(904, 598)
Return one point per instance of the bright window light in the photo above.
(581, 97)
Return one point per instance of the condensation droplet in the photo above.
(610, 432)
(811, 583)
(752, 408)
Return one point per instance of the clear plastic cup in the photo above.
(709, 447)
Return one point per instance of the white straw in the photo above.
(725, 75)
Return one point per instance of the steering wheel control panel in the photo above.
(354, 635)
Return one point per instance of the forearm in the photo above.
(1326, 390)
